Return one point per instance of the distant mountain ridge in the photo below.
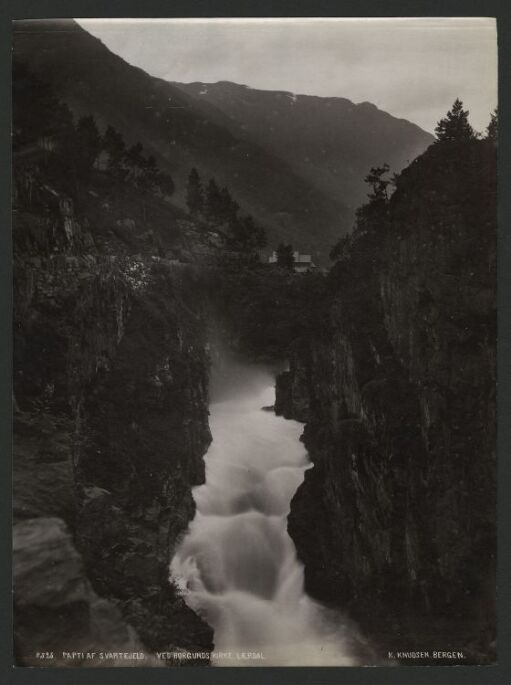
(330, 141)
(301, 185)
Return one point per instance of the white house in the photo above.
(302, 262)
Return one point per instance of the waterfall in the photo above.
(237, 565)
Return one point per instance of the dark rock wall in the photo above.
(397, 518)
(56, 605)
(111, 414)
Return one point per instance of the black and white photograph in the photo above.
(254, 342)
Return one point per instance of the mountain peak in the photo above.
(294, 162)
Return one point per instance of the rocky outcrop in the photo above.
(56, 608)
(111, 424)
(396, 520)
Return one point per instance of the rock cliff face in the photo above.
(56, 605)
(396, 520)
(111, 424)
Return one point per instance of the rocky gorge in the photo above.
(111, 424)
(392, 367)
(130, 299)
(396, 519)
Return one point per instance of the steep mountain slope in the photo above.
(178, 131)
(329, 141)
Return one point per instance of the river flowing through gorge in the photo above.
(237, 565)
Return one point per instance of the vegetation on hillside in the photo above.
(456, 146)
(44, 129)
(269, 306)
(218, 210)
(179, 132)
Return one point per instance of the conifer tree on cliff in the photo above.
(213, 204)
(455, 126)
(166, 183)
(246, 234)
(257, 234)
(151, 171)
(88, 142)
(227, 206)
(285, 257)
(113, 143)
(375, 178)
(135, 156)
(194, 193)
(492, 130)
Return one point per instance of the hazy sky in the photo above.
(412, 68)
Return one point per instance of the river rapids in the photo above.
(237, 566)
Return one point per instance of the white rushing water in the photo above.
(237, 565)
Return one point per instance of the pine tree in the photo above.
(260, 237)
(228, 208)
(255, 235)
(245, 234)
(194, 193)
(285, 257)
(378, 183)
(166, 183)
(88, 143)
(492, 130)
(113, 143)
(340, 249)
(455, 126)
(37, 113)
(213, 201)
(135, 155)
(151, 171)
